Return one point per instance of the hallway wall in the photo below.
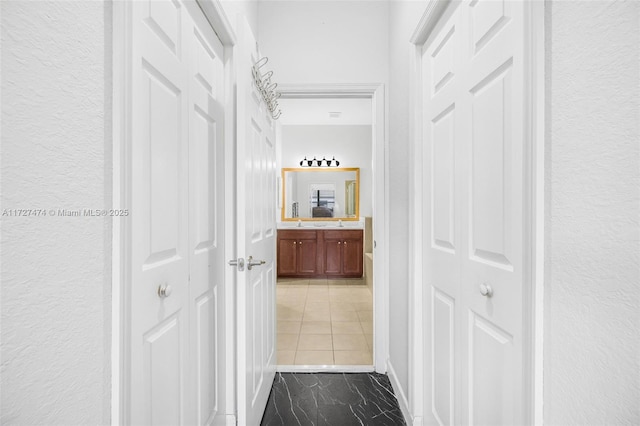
(56, 154)
(593, 178)
(320, 41)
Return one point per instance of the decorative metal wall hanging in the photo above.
(266, 88)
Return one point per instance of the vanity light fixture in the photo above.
(319, 163)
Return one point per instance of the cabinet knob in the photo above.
(339, 242)
(295, 242)
(345, 243)
(300, 242)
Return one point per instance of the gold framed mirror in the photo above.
(320, 194)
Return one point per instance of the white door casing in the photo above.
(376, 92)
(175, 362)
(256, 231)
(475, 229)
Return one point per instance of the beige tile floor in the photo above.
(324, 322)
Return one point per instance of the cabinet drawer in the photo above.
(337, 235)
(290, 234)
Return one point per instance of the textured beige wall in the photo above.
(592, 368)
(55, 294)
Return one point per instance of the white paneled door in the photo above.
(256, 204)
(474, 201)
(175, 307)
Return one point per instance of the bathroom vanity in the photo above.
(320, 234)
(320, 253)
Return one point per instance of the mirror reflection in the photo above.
(320, 194)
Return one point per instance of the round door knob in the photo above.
(486, 290)
(164, 291)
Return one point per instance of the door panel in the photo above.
(352, 256)
(440, 65)
(307, 259)
(256, 237)
(176, 216)
(443, 60)
(207, 350)
(496, 228)
(163, 18)
(487, 19)
(287, 256)
(473, 214)
(163, 365)
(492, 390)
(490, 220)
(204, 53)
(159, 218)
(332, 257)
(254, 204)
(443, 168)
(443, 353)
(165, 117)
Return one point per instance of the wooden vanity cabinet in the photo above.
(320, 253)
(298, 254)
(343, 254)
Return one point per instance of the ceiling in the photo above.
(316, 112)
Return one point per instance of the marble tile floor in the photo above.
(336, 399)
(324, 322)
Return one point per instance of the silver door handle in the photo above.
(239, 262)
(251, 263)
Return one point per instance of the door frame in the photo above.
(534, 209)
(120, 131)
(377, 93)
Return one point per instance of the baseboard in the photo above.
(228, 420)
(399, 392)
(324, 368)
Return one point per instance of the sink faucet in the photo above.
(299, 223)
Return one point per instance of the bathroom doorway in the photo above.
(332, 322)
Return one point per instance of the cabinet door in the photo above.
(332, 257)
(287, 256)
(352, 256)
(307, 261)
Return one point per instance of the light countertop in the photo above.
(330, 225)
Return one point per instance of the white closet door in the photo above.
(473, 97)
(175, 304)
(493, 191)
(206, 224)
(442, 215)
(159, 216)
(256, 192)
